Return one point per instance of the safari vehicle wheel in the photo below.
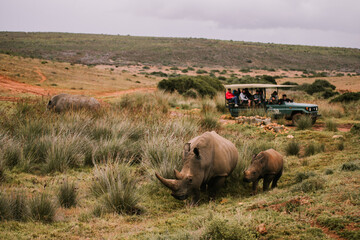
(313, 121)
(296, 117)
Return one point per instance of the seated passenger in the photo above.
(284, 99)
(231, 98)
(248, 94)
(274, 94)
(257, 97)
(244, 99)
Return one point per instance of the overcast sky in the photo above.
(306, 22)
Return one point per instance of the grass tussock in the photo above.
(350, 166)
(303, 123)
(331, 125)
(42, 208)
(116, 187)
(301, 176)
(209, 122)
(313, 148)
(5, 208)
(19, 206)
(67, 194)
(309, 185)
(292, 148)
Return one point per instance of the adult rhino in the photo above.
(63, 102)
(208, 159)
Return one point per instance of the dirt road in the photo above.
(17, 87)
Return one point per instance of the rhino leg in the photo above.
(267, 181)
(195, 197)
(214, 185)
(254, 187)
(277, 177)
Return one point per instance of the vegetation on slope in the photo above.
(93, 49)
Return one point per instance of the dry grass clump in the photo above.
(331, 125)
(42, 208)
(309, 185)
(314, 148)
(209, 122)
(67, 194)
(5, 210)
(292, 148)
(116, 187)
(303, 123)
(19, 206)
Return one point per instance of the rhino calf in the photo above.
(63, 102)
(208, 159)
(267, 165)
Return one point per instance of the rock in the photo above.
(338, 136)
(290, 136)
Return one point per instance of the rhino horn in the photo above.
(170, 183)
(178, 175)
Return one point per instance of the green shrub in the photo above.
(340, 145)
(318, 86)
(300, 176)
(12, 154)
(190, 94)
(209, 122)
(19, 206)
(355, 129)
(313, 148)
(5, 210)
(42, 208)
(116, 186)
(303, 123)
(347, 97)
(329, 172)
(201, 71)
(333, 222)
(204, 85)
(292, 148)
(290, 83)
(350, 166)
(67, 194)
(330, 125)
(218, 229)
(309, 185)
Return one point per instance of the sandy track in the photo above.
(42, 76)
(118, 93)
(17, 87)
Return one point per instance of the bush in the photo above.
(300, 176)
(67, 194)
(347, 97)
(19, 206)
(355, 129)
(292, 148)
(330, 125)
(290, 83)
(318, 86)
(309, 185)
(190, 94)
(209, 122)
(5, 210)
(313, 148)
(12, 154)
(303, 123)
(204, 85)
(329, 172)
(350, 166)
(219, 228)
(42, 209)
(115, 185)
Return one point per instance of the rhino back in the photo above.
(67, 101)
(275, 161)
(219, 156)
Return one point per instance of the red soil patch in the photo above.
(16, 87)
(42, 76)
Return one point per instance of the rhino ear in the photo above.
(187, 147)
(197, 153)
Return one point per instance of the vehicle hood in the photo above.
(300, 105)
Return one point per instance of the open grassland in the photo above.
(93, 49)
(110, 156)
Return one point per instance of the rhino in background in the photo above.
(267, 165)
(63, 102)
(208, 159)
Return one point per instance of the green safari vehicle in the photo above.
(278, 108)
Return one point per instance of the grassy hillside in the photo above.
(128, 140)
(118, 50)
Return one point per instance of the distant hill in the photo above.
(92, 49)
